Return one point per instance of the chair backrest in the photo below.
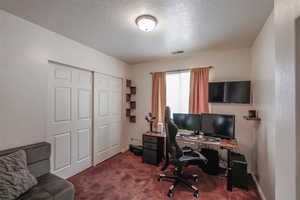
(38, 157)
(173, 148)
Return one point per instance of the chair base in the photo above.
(178, 177)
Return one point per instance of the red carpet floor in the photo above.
(125, 177)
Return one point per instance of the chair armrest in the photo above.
(187, 151)
(203, 158)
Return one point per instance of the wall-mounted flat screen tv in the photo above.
(229, 92)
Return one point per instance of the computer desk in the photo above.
(228, 144)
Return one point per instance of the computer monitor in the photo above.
(193, 122)
(218, 125)
(179, 120)
(188, 121)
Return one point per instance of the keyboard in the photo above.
(199, 138)
(209, 139)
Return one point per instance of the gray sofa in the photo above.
(49, 187)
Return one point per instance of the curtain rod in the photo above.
(182, 70)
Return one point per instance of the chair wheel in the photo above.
(196, 178)
(170, 194)
(196, 194)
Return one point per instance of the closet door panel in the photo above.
(69, 119)
(107, 116)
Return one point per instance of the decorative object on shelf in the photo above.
(128, 112)
(132, 90)
(131, 103)
(128, 83)
(132, 119)
(254, 119)
(150, 119)
(128, 97)
(252, 115)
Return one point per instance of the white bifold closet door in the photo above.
(69, 128)
(107, 116)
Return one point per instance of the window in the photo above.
(178, 91)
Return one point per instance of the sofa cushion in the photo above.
(59, 188)
(36, 193)
(15, 178)
(50, 187)
(38, 157)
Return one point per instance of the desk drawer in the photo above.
(150, 157)
(147, 138)
(150, 146)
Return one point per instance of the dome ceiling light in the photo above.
(146, 22)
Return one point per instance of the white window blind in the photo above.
(178, 91)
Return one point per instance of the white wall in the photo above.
(23, 77)
(263, 84)
(1, 42)
(298, 106)
(287, 85)
(228, 65)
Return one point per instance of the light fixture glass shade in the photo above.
(146, 22)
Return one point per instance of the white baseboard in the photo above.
(125, 149)
(261, 194)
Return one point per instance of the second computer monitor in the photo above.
(218, 125)
(187, 121)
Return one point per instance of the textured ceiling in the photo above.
(108, 25)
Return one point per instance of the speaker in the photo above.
(238, 175)
(212, 165)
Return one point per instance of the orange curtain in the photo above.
(158, 96)
(199, 91)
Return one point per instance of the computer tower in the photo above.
(212, 165)
(238, 175)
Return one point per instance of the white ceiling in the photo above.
(109, 25)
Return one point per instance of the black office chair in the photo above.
(176, 157)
